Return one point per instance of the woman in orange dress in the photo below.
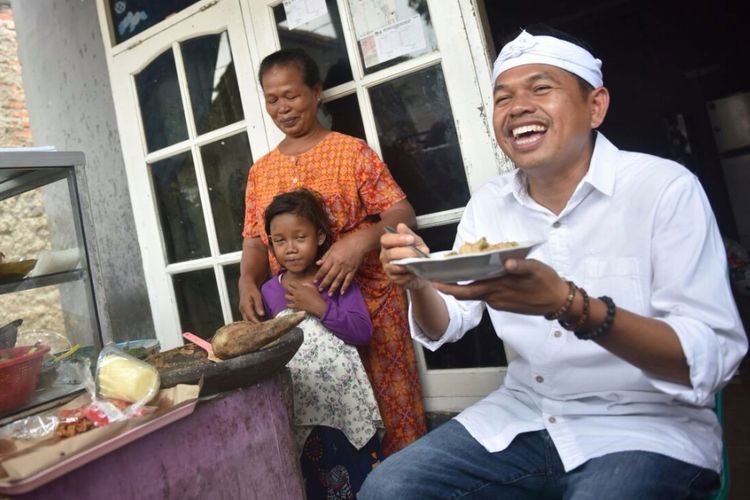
(362, 197)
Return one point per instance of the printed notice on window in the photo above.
(299, 12)
(392, 41)
(370, 15)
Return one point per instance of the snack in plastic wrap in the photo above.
(121, 376)
(32, 427)
(121, 390)
(73, 421)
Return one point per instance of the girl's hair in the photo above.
(292, 57)
(304, 203)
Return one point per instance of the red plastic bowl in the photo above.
(19, 375)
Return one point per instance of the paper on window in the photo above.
(299, 12)
(370, 15)
(390, 42)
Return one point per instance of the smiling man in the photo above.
(623, 321)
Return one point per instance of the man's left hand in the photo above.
(529, 287)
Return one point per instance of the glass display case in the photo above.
(46, 287)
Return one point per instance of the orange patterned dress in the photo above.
(356, 185)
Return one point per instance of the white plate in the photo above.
(465, 267)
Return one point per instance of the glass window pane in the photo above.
(419, 141)
(198, 302)
(160, 103)
(439, 238)
(130, 17)
(180, 210)
(232, 278)
(226, 163)
(390, 32)
(212, 82)
(323, 39)
(342, 115)
(480, 347)
(36, 225)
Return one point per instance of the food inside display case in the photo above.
(46, 293)
(10, 271)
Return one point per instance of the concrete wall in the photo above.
(70, 106)
(24, 225)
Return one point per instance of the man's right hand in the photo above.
(398, 246)
(428, 308)
(251, 303)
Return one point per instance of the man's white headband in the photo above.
(530, 49)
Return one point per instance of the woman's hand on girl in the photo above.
(306, 297)
(339, 264)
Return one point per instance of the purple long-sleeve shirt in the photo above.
(346, 315)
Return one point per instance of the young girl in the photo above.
(335, 413)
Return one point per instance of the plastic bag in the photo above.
(41, 426)
(33, 427)
(124, 385)
(120, 389)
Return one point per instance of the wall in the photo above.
(24, 226)
(14, 118)
(70, 106)
(661, 78)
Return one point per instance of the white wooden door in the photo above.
(412, 78)
(191, 123)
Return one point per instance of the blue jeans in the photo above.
(448, 463)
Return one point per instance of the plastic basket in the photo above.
(19, 375)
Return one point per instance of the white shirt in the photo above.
(639, 229)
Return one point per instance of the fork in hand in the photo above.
(390, 229)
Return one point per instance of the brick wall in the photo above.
(24, 228)
(14, 119)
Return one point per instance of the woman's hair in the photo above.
(303, 203)
(292, 57)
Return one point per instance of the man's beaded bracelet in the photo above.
(566, 305)
(605, 326)
(584, 314)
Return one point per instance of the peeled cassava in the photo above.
(126, 378)
(242, 337)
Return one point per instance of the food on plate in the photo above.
(15, 270)
(126, 378)
(242, 337)
(482, 245)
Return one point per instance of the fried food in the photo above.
(482, 245)
(73, 421)
(70, 429)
